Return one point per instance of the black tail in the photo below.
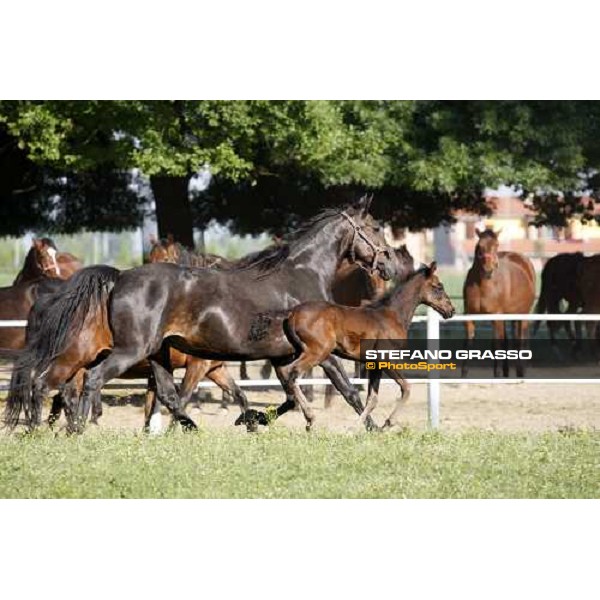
(53, 322)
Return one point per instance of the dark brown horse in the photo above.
(560, 283)
(498, 282)
(41, 266)
(588, 288)
(318, 329)
(48, 363)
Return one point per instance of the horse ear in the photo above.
(478, 232)
(170, 238)
(364, 204)
(432, 268)
(498, 232)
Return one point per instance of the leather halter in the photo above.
(357, 231)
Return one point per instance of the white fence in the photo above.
(433, 321)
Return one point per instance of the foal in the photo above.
(318, 329)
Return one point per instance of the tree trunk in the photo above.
(173, 209)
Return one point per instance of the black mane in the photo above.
(270, 258)
(386, 298)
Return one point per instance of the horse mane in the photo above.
(386, 298)
(268, 260)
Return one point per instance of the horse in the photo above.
(354, 286)
(236, 314)
(559, 282)
(318, 329)
(43, 258)
(79, 306)
(168, 250)
(498, 282)
(588, 286)
(41, 273)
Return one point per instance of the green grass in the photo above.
(285, 464)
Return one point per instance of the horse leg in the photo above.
(469, 335)
(265, 370)
(152, 419)
(168, 396)
(288, 376)
(499, 339)
(372, 396)
(56, 409)
(117, 362)
(329, 395)
(244, 370)
(520, 342)
(392, 420)
(251, 418)
(330, 391)
(335, 371)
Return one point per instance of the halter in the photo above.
(357, 231)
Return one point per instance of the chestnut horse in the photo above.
(318, 329)
(42, 265)
(498, 282)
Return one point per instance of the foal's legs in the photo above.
(288, 376)
(372, 397)
(392, 420)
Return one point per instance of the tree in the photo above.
(272, 163)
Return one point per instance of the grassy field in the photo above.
(284, 464)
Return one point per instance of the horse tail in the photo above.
(55, 319)
(19, 395)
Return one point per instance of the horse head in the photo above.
(433, 293)
(486, 251)
(45, 256)
(366, 244)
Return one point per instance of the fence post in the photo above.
(433, 385)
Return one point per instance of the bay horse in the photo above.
(236, 314)
(354, 286)
(40, 273)
(560, 282)
(318, 329)
(498, 282)
(43, 258)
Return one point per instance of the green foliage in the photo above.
(284, 464)
(424, 159)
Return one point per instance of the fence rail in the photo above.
(433, 321)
